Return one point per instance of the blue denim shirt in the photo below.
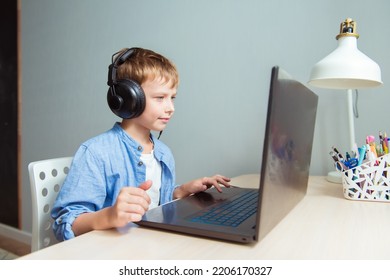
(100, 168)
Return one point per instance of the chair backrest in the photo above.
(46, 178)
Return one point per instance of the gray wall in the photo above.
(224, 50)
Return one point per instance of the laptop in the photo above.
(284, 174)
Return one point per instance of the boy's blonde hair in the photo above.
(144, 64)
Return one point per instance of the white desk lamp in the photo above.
(346, 68)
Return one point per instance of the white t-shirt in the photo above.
(153, 173)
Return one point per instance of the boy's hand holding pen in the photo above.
(368, 152)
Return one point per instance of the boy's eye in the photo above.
(160, 98)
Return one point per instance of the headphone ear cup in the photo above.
(129, 99)
(115, 102)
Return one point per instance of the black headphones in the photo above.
(125, 98)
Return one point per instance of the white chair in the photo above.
(46, 178)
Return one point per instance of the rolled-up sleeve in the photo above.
(85, 180)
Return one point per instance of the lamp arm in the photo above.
(351, 120)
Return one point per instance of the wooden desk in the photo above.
(324, 225)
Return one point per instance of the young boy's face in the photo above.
(159, 104)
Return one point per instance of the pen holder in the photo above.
(369, 181)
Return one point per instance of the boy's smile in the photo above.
(165, 120)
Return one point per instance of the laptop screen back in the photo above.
(288, 141)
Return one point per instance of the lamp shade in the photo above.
(346, 67)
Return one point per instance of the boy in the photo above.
(117, 176)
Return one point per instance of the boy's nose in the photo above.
(170, 106)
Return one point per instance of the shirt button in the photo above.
(140, 163)
(139, 148)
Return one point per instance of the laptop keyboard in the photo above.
(228, 213)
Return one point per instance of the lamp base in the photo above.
(334, 177)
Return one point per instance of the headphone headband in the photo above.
(116, 63)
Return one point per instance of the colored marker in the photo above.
(385, 143)
(370, 140)
(362, 154)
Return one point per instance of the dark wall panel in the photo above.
(8, 114)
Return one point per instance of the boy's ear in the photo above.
(125, 98)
